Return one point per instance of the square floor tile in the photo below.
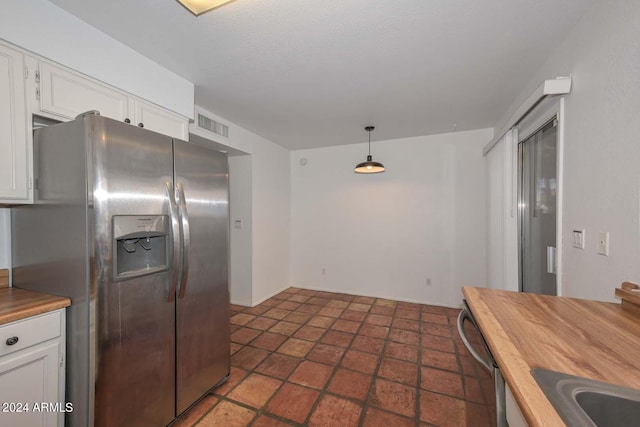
(329, 311)
(244, 335)
(404, 337)
(310, 333)
(277, 313)
(401, 351)
(248, 358)
(335, 411)
(397, 370)
(297, 317)
(345, 326)
(278, 365)
(408, 314)
(255, 390)
(327, 354)
(337, 338)
(293, 402)
(355, 306)
(284, 328)
(368, 344)
(266, 421)
(262, 323)
(321, 321)
(394, 397)
(438, 343)
(373, 331)
(309, 309)
(241, 319)
(440, 319)
(337, 304)
(356, 316)
(269, 341)
(311, 374)
(410, 325)
(296, 347)
(377, 418)
(441, 410)
(350, 384)
(360, 361)
(382, 310)
(439, 359)
(227, 414)
(444, 382)
(378, 319)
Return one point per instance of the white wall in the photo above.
(383, 235)
(47, 30)
(241, 241)
(602, 150)
(270, 209)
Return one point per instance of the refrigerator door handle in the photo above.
(186, 238)
(176, 268)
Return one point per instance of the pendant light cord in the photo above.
(369, 143)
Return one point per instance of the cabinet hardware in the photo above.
(127, 120)
(141, 125)
(26, 72)
(37, 76)
(38, 93)
(12, 340)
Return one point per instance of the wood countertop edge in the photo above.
(18, 304)
(533, 403)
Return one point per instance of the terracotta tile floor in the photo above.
(325, 359)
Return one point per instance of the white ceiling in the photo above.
(313, 73)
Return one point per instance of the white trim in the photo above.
(557, 86)
(560, 195)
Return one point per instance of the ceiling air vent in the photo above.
(211, 125)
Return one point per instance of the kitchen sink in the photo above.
(585, 402)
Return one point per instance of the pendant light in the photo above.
(369, 166)
(198, 7)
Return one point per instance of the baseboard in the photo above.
(365, 294)
(261, 300)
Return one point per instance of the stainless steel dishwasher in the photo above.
(471, 336)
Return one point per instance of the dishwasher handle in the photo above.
(465, 315)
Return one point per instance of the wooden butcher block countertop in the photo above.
(17, 304)
(590, 339)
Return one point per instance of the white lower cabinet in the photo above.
(32, 372)
(514, 415)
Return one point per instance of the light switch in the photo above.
(603, 243)
(578, 238)
(237, 224)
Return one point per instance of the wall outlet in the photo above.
(428, 281)
(603, 243)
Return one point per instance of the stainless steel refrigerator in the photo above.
(133, 227)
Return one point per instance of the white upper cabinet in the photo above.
(68, 94)
(158, 119)
(14, 157)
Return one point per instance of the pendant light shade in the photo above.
(369, 166)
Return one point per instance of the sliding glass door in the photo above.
(537, 210)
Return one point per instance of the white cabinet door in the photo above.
(67, 94)
(159, 120)
(14, 172)
(514, 415)
(28, 379)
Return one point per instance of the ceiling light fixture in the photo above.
(369, 166)
(198, 7)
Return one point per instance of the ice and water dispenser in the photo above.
(140, 245)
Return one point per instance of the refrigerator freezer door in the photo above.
(202, 316)
(134, 319)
